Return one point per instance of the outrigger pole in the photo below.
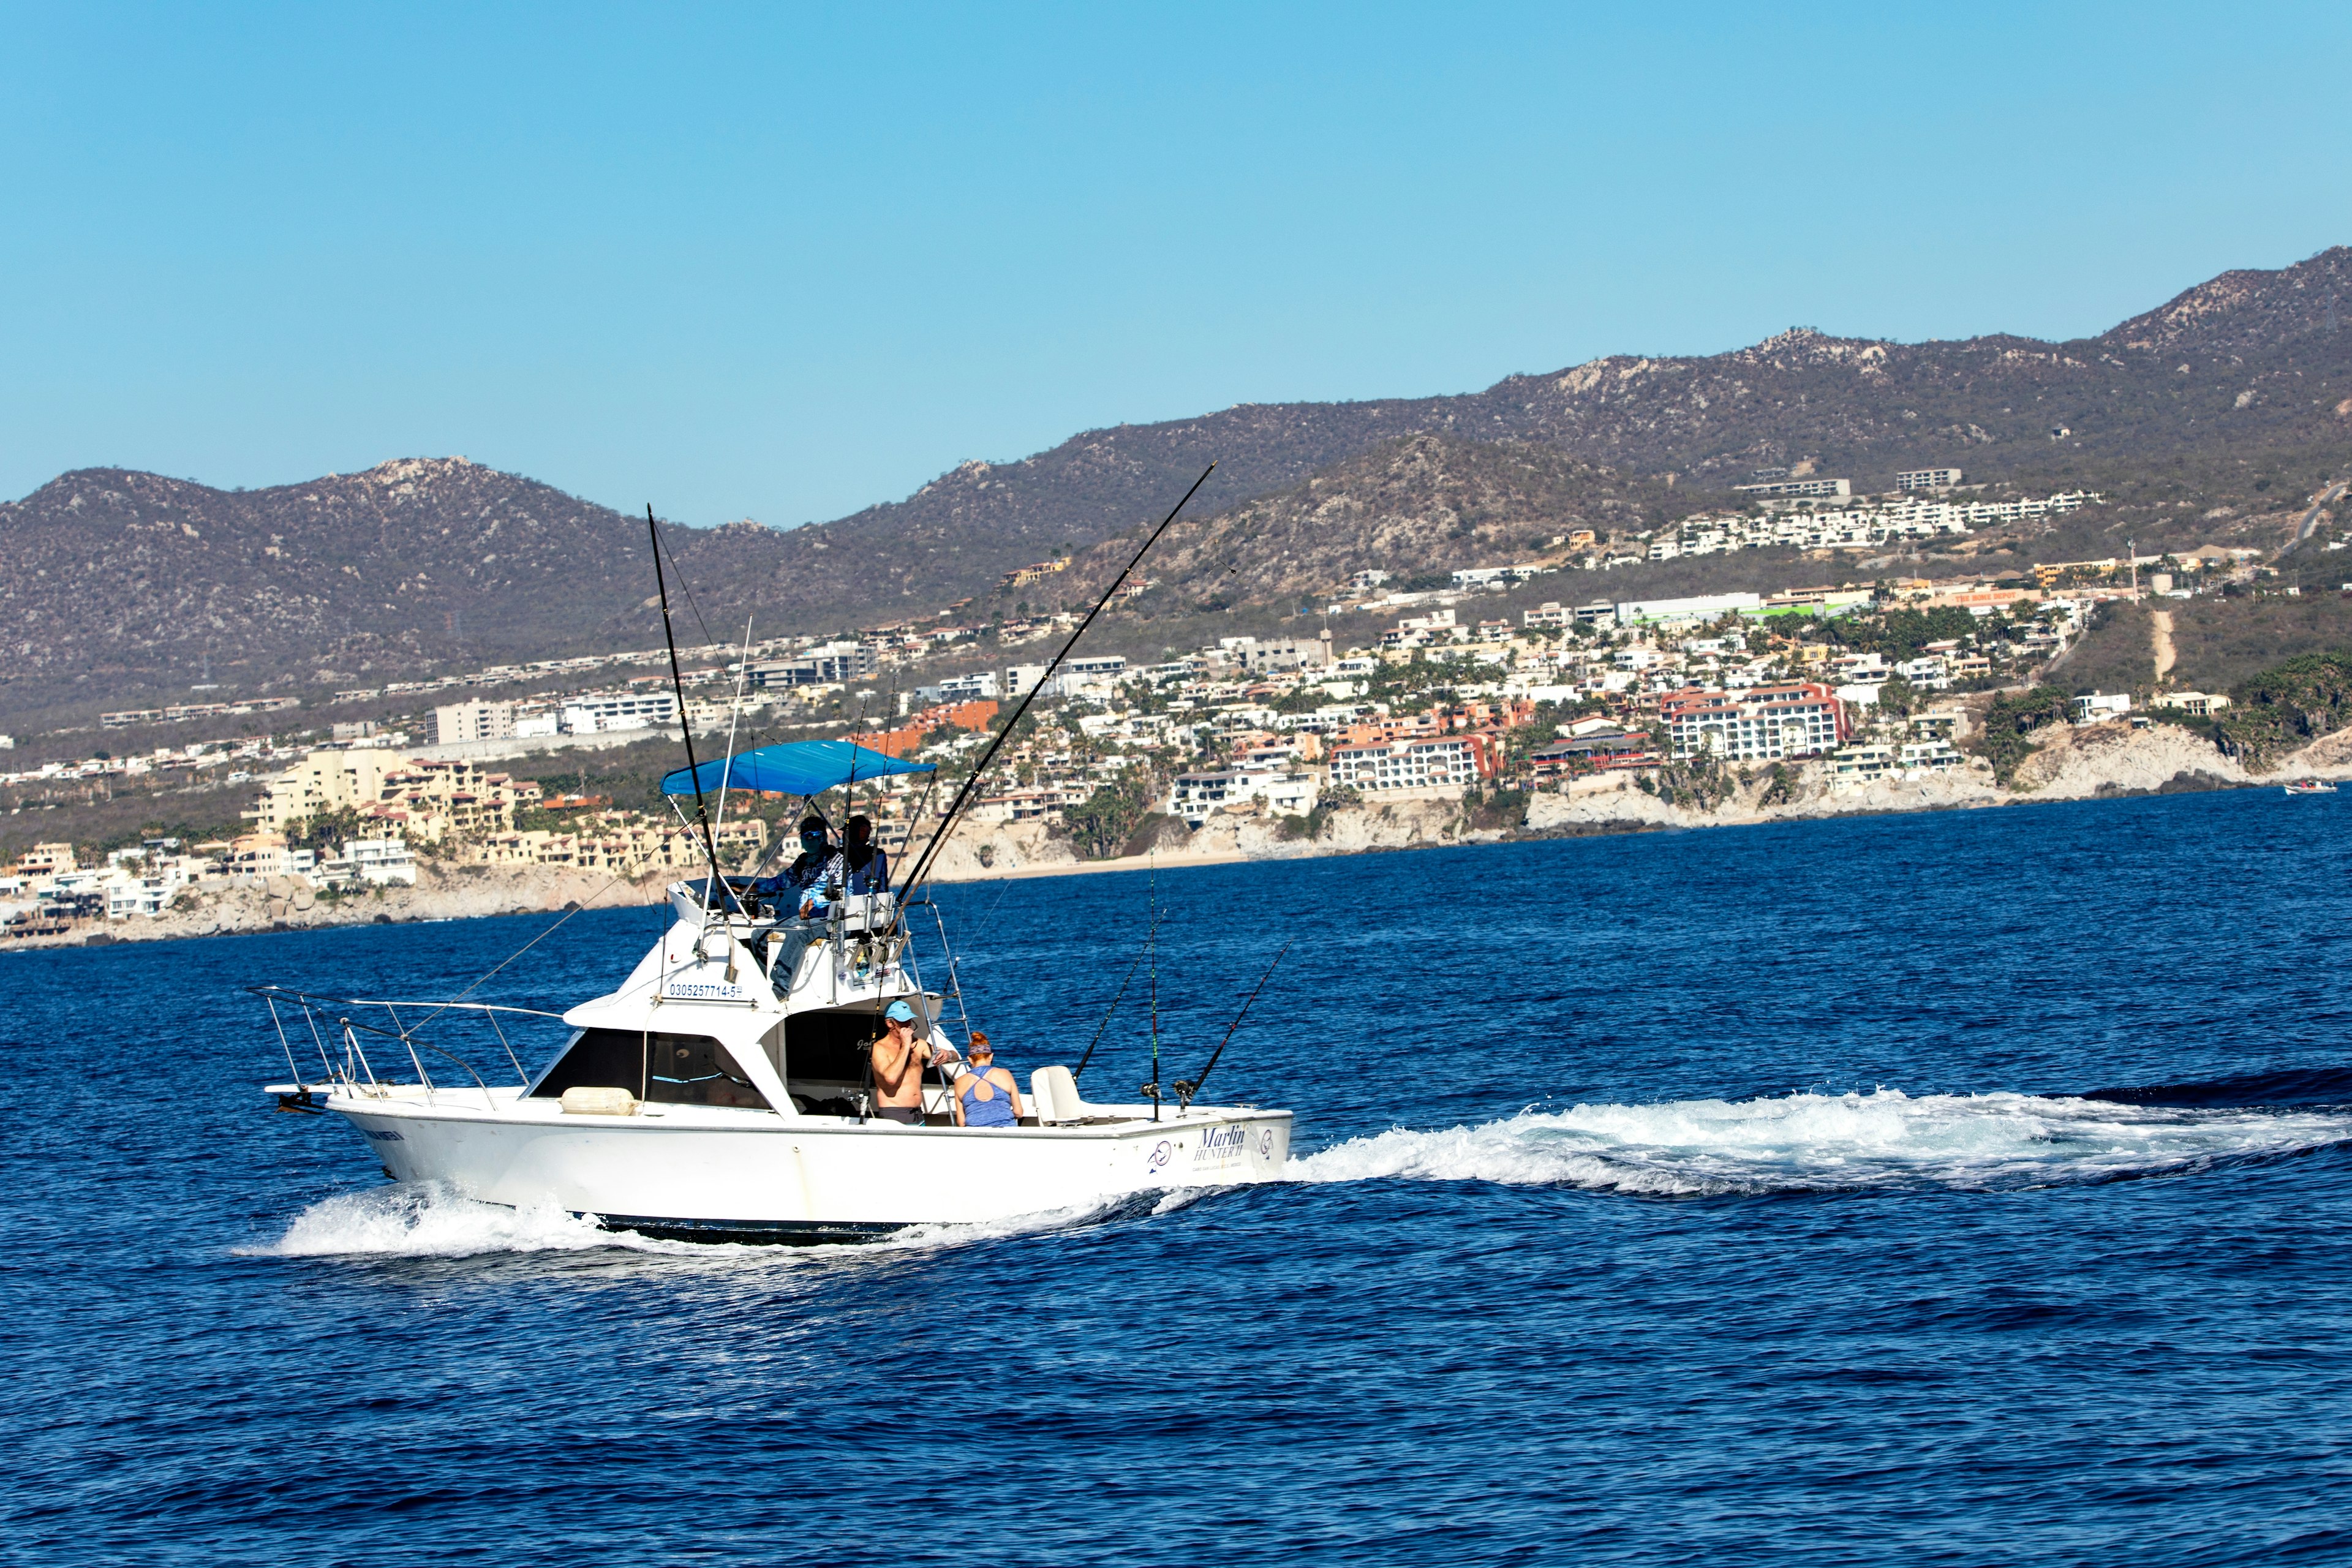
(1116, 997)
(685, 726)
(922, 866)
(1185, 1091)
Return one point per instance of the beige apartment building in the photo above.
(624, 843)
(422, 801)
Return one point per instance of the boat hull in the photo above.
(710, 1173)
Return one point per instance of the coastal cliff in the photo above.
(2088, 762)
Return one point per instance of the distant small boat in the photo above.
(2309, 786)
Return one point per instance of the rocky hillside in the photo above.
(1421, 504)
(117, 587)
(119, 583)
(2248, 362)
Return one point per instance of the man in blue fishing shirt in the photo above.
(817, 868)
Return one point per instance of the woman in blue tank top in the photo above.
(987, 1093)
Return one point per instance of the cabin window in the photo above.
(599, 1058)
(695, 1069)
(663, 1069)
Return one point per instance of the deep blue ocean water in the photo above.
(1719, 1197)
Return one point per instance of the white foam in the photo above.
(431, 1219)
(1827, 1142)
(963, 1233)
(428, 1219)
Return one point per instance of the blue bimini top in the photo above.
(795, 767)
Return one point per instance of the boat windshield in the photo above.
(659, 1069)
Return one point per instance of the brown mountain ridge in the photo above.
(118, 586)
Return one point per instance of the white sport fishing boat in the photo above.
(723, 1089)
(721, 1092)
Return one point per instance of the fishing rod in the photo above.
(1120, 995)
(726, 776)
(685, 726)
(922, 866)
(1151, 946)
(1185, 1091)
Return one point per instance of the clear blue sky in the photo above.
(782, 263)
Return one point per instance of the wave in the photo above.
(1817, 1143)
(431, 1219)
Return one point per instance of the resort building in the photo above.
(1451, 763)
(1765, 723)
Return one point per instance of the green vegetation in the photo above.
(1101, 825)
(2010, 721)
(1702, 783)
(1495, 808)
(2287, 707)
(2218, 641)
(1898, 697)
(330, 830)
(1309, 826)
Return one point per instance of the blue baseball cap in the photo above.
(901, 1011)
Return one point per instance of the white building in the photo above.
(457, 722)
(1808, 487)
(1927, 479)
(1094, 679)
(1196, 796)
(1937, 755)
(1798, 718)
(1927, 673)
(1706, 606)
(1855, 767)
(2101, 705)
(371, 862)
(828, 664)
(1260, 656)
(1501, 577)
(972, 688)
(1449, 762)
(2196, 704)
(596, 713)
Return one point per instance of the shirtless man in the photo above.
(899, 1060)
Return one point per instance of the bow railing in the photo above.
(349, 1067)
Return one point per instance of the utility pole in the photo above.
(2133, 550)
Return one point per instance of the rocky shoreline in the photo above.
(2093, 762)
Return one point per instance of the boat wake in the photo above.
(1819, 1142)
(431, 1219)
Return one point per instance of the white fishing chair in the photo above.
(1054, 1094)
